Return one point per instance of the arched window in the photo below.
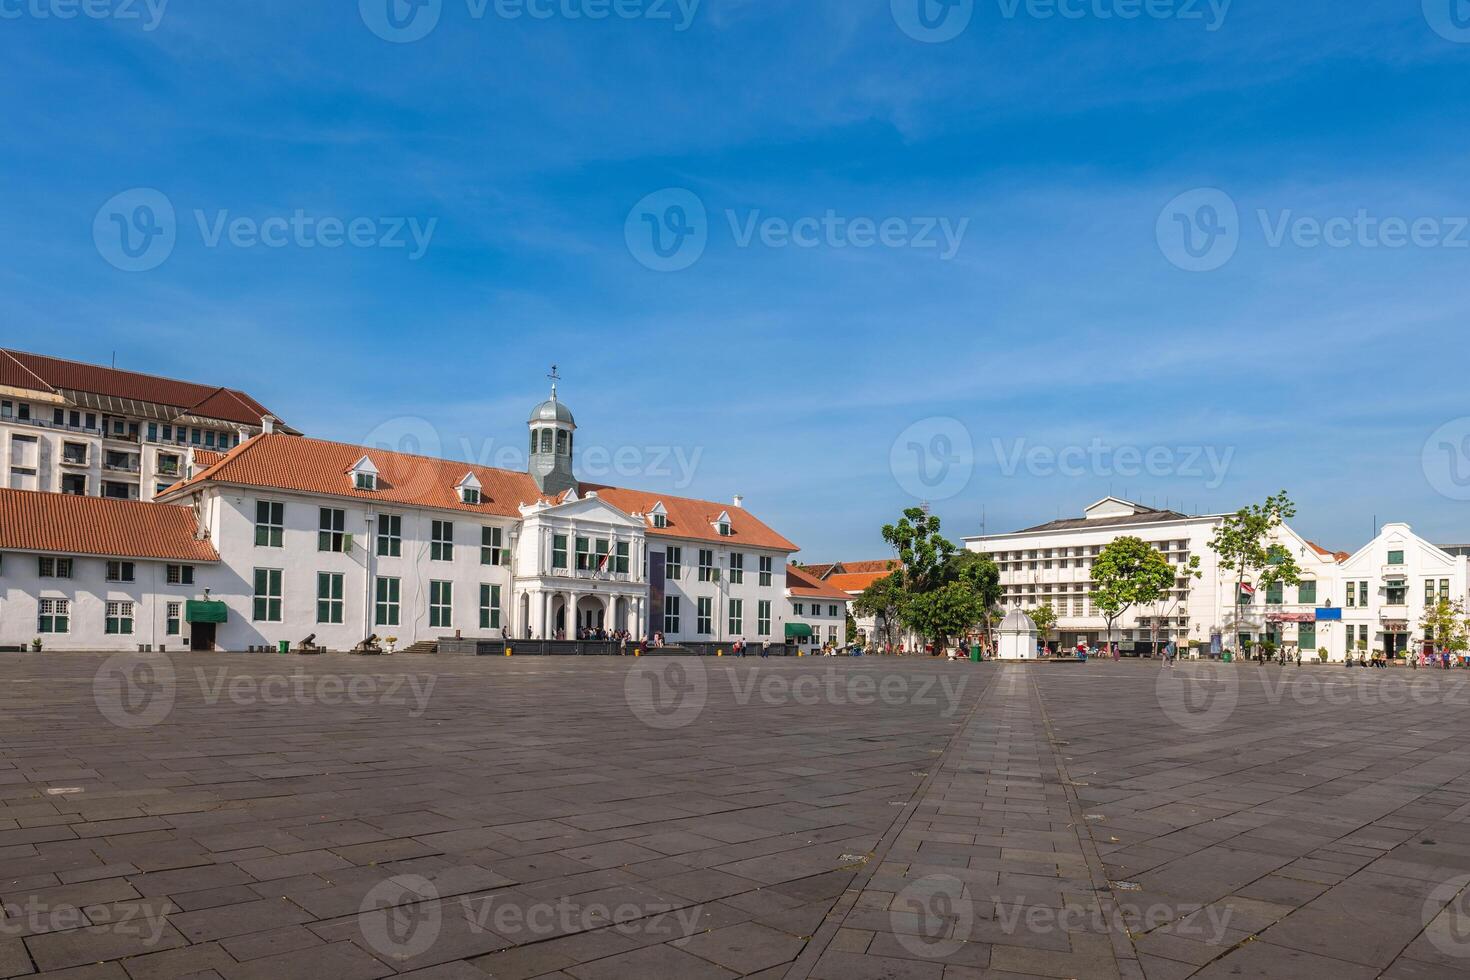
(533, 442)
(561, 442)
(546, 440)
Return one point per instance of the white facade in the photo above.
(1391, 577)
(826, 617)
(84, 602)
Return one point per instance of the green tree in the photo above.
(1243, 544)
(883, 601)
(950, 610)
(1444, 624)
(1045, 618)
(1129, 572)
(923, 553)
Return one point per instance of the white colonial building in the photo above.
(81, 429)
(817, 611)
(1375, 597)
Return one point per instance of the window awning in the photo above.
(197, 611)
(797, 629)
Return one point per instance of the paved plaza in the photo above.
(267, 816)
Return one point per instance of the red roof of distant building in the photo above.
(803, 584)
(855, 576)
(20, 369)
(316, 466)
(65, 524)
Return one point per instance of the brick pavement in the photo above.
(262, 816)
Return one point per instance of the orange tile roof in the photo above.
(69, 525)
(820, 571)
(801, 583)
(206, 457)
(297, 463)
(854, 576)
(23, 370)
(1337, 556)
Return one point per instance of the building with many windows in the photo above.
(817, 611)
(285, 537)
(86, 430)
(1370, 600)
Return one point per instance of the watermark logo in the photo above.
(933, 459)
(1198, 698)
(943, 912)
(1450, 19)
(932, 21)
(401, 21)
(1199, 231)
(401, 918)
(668, 230)
(1446, 459)
(136, 230)
(667, 694)
(862, 690)
(1447, 917)
(149, 12)
(1211, 13)
(1209, 464)
(135, 691)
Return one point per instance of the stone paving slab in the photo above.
(241, 816)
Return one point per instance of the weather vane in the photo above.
(555, 377)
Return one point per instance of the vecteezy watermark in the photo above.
(1200, 230)
(933, 916)
(135, 690)
(667, 694)
(1101, 459)
(678, 465)
(1196, 697)
(402, 918)
(1446, 917)
(406, 21)
(149, 13)
(933, 459)
(670, 693)
(143, 919)
(669, 230)
(1446, 459)
(937, 21)
(140, 690)
(1450, 19)
(137, 230)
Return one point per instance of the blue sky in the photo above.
(525, 151)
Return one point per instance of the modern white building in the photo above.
(81, 429)
(817, 611)
(1376, 596)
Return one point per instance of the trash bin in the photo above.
(975, 652)
(284, 646)
(1227, 656)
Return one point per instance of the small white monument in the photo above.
(1017, 637)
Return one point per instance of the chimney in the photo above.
(268, 424)
(739, 501)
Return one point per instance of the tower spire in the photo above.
(555, 376)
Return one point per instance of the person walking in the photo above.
(765, 649)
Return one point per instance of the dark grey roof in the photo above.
(1147, 516)
(552, 410)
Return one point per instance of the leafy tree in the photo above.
(1243, 544)
(883, 601)
(1045, 617)
(1172, 602)
(923, 553)
(1444, 624)
(1129, 572)
(950, 610)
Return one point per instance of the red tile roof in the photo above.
(64, 524)
(855, 576)
(1337, 556)
(22, 370)
(803, 584)
(206, 457)
(315, 466)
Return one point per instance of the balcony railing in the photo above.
(114, 466)
(73, 459)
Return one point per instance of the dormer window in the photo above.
(468, 489)
(364, 475)
(660, 520)
(722, 524)
(658, 516)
